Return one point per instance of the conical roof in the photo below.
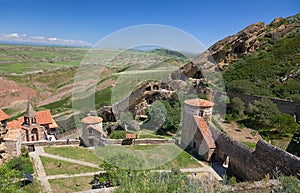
(29, 111)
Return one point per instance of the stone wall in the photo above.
(289, 107)
(105, 141)
(249, 164)
(52, 143)
(71, 134)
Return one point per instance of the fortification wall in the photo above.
(249, 164)
(290, 107)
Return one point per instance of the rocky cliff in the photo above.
(254, 37)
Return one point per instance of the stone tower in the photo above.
(194, 107)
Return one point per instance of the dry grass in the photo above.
(74, 184)
(55, 166)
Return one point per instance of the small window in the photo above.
(90, 132)
(194, 144)
(201, 113)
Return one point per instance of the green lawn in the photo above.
(78, 153)
(67, 185)
(55, 166)
(153, 156)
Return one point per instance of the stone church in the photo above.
(32, 126)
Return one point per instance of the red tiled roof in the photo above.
(44, 117)
(15, 124)
(130, 136)
(53, 124)
(3, 115)
(92, 120)
(199, 102)
(205, 131)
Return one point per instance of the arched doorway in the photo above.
(34, 134)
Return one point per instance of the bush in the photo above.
(116, 134)
(20, 164)
(290, 184)
(24, 152)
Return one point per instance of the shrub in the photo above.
(116, 134)
(290, 184)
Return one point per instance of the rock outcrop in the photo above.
(252, 38)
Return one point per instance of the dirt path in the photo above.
(241, 134)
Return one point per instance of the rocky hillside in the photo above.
(262, 59)
(252, 38)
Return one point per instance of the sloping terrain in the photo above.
(46, 74)
(262, 59)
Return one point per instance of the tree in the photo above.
(173, 118)
(263, 111)
(284, 123)
(9, 179)
(237, 106)
(158, 114)
(125, 119)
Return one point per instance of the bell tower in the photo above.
(30, 115)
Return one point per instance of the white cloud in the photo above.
(52, 39)
(15, 37)
(38, 37)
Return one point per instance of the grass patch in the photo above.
(55, 166)
(21, 164)
(67, 185)
(144, 136)
(249, 144)
(78, 153)
(164, 156)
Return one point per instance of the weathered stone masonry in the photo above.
(249, 164)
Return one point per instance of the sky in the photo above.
(88, 21)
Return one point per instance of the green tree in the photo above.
(237, 106)
(173, 118)
(158, 114)
(285, 123)
(125, 119)
(263, 111)
(9, 179)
